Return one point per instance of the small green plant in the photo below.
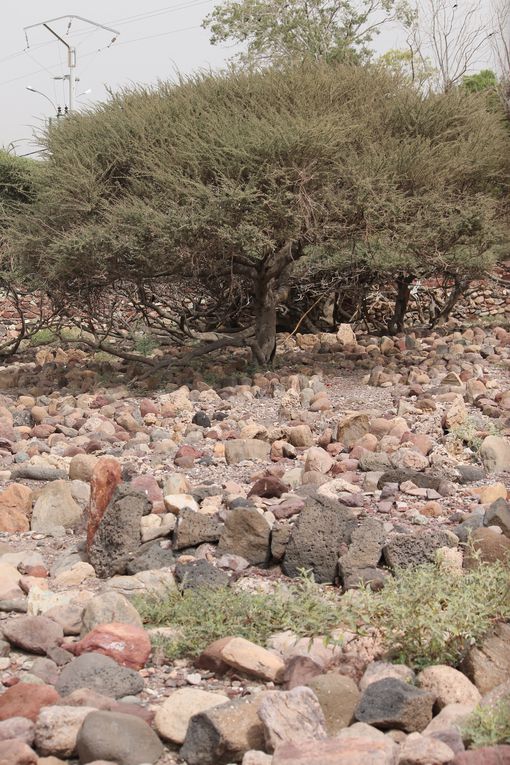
(43, 337)
(424, 614)
(488, 725)
(429, 616)
(203, 615)
(145, 344)
(470, 433)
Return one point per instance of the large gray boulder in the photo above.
(406, 550)
(246, 533)
(391, 703)
(116, 737)
(101, 674)
(118, 535)
(323, 526)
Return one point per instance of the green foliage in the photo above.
(145, 344)
(429, 615)
(413, 68)
(279, 31)
(425, 615)
(18, 178)
(486, 79)
(215, 175)
(201, 616)
(233, 183)
(472, 435)
(488, 725)
(44, 336)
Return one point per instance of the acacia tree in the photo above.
(230, 183)
(272, 32)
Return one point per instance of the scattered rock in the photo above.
(55, 507)
(173, 716)
(26, 700)
(449, 686)
(291, 716)
(127, 644)
(390, 703)
(246, 533)
(35, 634)
(335, 751)
(338, 697)
(316, 539)
(223, 734)
(124, 739)
(99, 673)
(57, 729)
(240, 449)
(252, 659)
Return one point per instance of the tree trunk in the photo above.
(264, 344)
(443, 314)
(396, 323)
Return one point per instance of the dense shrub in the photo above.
(237, 184)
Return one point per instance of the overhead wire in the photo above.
(123, 20)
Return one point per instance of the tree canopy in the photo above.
(235, 182)
(281, 31)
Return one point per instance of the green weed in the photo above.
(488, 725)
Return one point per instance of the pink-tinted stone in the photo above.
(288, 508)
(188, 453)
(26, 700)
(300, 670)
(147, 484)
(148, 407)
(336, 751)
(16, 752)
(42, 431)
(127, 644)
(486, 755)
(105, 479)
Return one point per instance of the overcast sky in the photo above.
(155, 41)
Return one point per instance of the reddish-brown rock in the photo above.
(105, 479)
(127, 644)
(26, 700)
(269, 486)
(15, 506)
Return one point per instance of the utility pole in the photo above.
(71, 50)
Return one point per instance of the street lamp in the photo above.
(33, 90)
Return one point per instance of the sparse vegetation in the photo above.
(472, 434)
(201, 616)
(424, 615)
(429, 616)
(489, 725)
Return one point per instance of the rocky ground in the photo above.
(356, 457)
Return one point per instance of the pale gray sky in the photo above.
(156, 40)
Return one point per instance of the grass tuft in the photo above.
(488, 725)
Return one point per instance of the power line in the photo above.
(125, 20)
(160, 34)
